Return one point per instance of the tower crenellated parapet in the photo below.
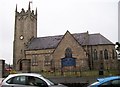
(24, 12)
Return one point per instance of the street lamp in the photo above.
(118, 47)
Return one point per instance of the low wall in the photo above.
(2, 67)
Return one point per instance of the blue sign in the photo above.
(68, 62)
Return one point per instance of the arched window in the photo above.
(95, 55)
(106, 54)
(68, 53)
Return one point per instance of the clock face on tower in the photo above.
(21, 37)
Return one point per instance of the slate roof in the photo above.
(97, 39)
(52, 41)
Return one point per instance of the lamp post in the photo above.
(118, 55)
(118, 47)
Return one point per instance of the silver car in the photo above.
(28, 80)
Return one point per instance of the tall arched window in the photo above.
(95, 55)
(68, 53)
(106, 54)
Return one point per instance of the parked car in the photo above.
(113, 81)
(28, 80)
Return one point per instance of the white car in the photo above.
(28, 80)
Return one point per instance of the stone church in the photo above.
(78, 51)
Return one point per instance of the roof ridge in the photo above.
(60, 35)
(95, 34)
(50, 36)
(80, 33)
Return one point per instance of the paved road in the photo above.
(73, 79)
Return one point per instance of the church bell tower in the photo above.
(24, 31)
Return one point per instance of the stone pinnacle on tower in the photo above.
(29, 5)
(36, 12)
(16, 8)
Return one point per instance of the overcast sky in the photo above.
(55, 17)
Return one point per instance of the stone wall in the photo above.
(38, 58)
(2, 67)
(119, 66)
(78, 52)
(110, 63)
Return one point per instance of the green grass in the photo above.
(90, 73)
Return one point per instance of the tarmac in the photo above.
(88, 80)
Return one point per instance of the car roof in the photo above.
(102, 80)
(26, 74)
